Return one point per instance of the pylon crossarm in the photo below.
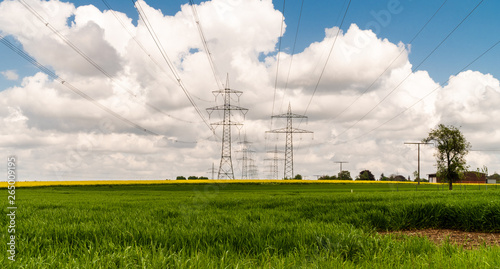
(295, 116)
(292, 130)
(227, 91)
(231, 107)
(226, 123)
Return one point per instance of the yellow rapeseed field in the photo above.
(3, 184)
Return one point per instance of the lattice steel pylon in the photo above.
(289, 131)
(245, 159)
(274, 167)
(226, 163)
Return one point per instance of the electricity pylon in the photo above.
(226, 163)
(289, 131)
(245, 159)
(275, 160)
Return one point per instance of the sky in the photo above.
(369, 75)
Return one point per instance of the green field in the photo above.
(248, 226)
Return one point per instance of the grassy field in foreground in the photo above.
(246, 226)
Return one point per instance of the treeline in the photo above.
(366, 175)
(190, 178)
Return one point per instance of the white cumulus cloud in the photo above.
(59, 135)
(10, 74)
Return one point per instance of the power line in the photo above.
(205, 44)
(327, 59)
(393, 61)
(89, 60)
(278, 60)
(291, 57)
(148, 54)
(413, 70)
(277, 65)
(151, 31)
(427, 95)
(71, 87)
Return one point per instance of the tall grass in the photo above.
(245, 226)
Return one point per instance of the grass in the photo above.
(247, 226)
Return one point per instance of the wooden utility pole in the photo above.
(417, 143)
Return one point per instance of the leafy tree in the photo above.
(203, 178)
(495, 176)
(452, 148)
(180, 178)
(415, 175)
(383, 177)
(344, 175)
(192, 177)
(397, 178)
(327, 177)
(298, 176)
(366, 175)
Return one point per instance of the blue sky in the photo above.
(475, 35)
(41, 118)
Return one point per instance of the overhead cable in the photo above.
(427, 95)
(71, 87)
(393, 61)
(205, 45)
(89, 60)
(327, 59)
(413, 69)
(157, 41)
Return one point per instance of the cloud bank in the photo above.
(57, 135)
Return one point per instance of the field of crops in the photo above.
(249, 226)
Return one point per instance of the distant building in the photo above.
(432, 178)
(470, 177)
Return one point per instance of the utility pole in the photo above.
(226, 163)
(417, 143)
(340, 162)
(289, 130)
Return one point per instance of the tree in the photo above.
(383, 177)
(192, 177)
(327, 177)
(345, 175)
(416, 176)
(366, 175)
(180, 178)
(495, 176)
(452, 147)
(298, 176)
(397, 178)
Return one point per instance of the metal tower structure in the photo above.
(275, 160)
(253, 172)
(226, 163)
(244, 158)
(289, 131)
